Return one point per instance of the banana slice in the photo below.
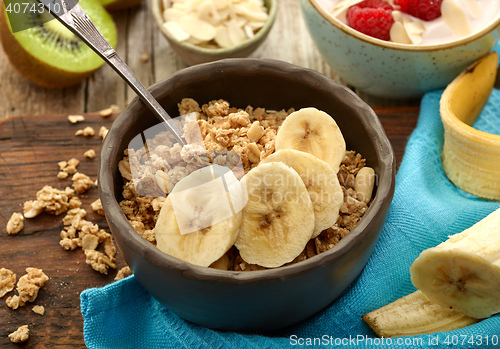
(463, 272)
(201, 217)
(278, 219)
(415, 314)
(315, 132)
(321, 183)
(471, 158)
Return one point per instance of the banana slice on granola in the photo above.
(201, 217)
(315, 132)
(278, 219)
(321, 183)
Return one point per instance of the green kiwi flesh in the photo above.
(53, 45)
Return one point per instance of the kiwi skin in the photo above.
(118, 5)
(32, 68)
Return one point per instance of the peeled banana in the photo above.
(315, 132)
(278, 219)
(463, 272)
(471, 158)
(200, 219)
(415, 314)
(458, 284)
(321, 183)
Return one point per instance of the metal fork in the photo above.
(73, 17)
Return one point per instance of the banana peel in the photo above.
(471, 158)
(415, 314)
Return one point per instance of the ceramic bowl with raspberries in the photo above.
(401, 48)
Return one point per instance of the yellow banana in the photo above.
(471, 158)
(463, 272)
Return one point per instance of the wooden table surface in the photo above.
(35, 135)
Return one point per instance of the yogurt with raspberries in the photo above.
(460, 18)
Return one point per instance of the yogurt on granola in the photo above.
(460, 18)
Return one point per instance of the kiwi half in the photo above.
(49, 54)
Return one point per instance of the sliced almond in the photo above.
(256, 25)
(176, 31)
(208, 12)
(250, 15)
(236, 33)
(473, 8)
(398, 34)
(90, 242)
(222, 37)
(221, 4)
(341, 7)
(414, 31)
(248, 31)
(197, 28)
(455, 18)
(414, 27)
(172, 14)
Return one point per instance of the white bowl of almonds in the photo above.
(202, 31)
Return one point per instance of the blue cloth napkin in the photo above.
(426, 209)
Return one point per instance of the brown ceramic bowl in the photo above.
(252, 300)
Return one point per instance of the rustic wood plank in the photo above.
(399, 123)
(290, 41)
(18, 96)
(106, 87)
(139, 43)
(30, 148)
(165, 60)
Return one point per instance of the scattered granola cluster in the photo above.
(86, 132)
(123, 273)
(38, 309)
(7, 281)
(76, 118)
(67, 168)
(20, 335)
(50, 200)
(15, 223)
(90, 154)
(103, 131)
(79, 232)
(81, 182)
(27, 288)
(224, 135)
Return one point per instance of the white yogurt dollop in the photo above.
(477, 15)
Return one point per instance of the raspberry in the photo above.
(426, 10)
(371, 17)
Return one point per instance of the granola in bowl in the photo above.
(239, 139)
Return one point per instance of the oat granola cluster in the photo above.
(77, 232)
(82, 233)
(220, 134)
(20, 335)
(27, 288)
(7, 281)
